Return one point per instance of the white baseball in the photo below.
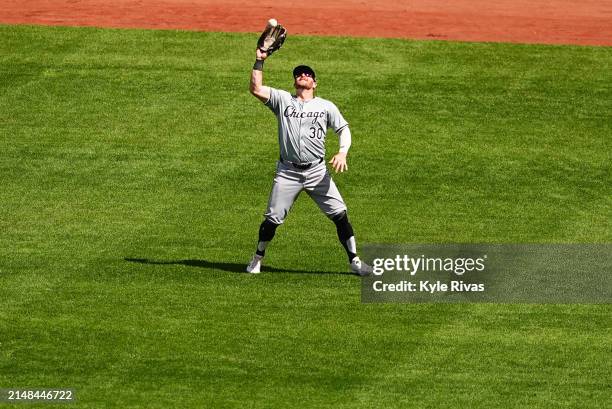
(272, 22)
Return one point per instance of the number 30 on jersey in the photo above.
(318, 133)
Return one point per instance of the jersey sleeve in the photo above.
(279, 99)
(335, 120)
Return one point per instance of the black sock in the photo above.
(267, 229)
(345, 234)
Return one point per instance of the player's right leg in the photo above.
(267, 229)
(285, 190)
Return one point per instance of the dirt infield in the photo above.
(586, 22)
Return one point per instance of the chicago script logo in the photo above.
(291, 112)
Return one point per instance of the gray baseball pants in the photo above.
(290, 181)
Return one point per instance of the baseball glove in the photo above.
(272, 38)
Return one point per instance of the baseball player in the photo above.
(303, 120)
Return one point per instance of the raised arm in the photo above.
(256, 87)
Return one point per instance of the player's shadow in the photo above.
(231, 267)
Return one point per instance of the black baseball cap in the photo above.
(304, 69)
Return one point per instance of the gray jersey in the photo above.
(302, 125)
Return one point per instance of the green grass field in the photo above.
(135, 168)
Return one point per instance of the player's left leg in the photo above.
(322, 189)
(345, 234)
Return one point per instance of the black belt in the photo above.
(301, 166)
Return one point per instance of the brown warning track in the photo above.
(585, 22)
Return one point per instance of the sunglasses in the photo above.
(309, 75)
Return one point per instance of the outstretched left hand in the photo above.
(338, 162)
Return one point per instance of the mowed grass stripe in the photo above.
(135, 170)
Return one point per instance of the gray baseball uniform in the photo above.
(302, 127)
